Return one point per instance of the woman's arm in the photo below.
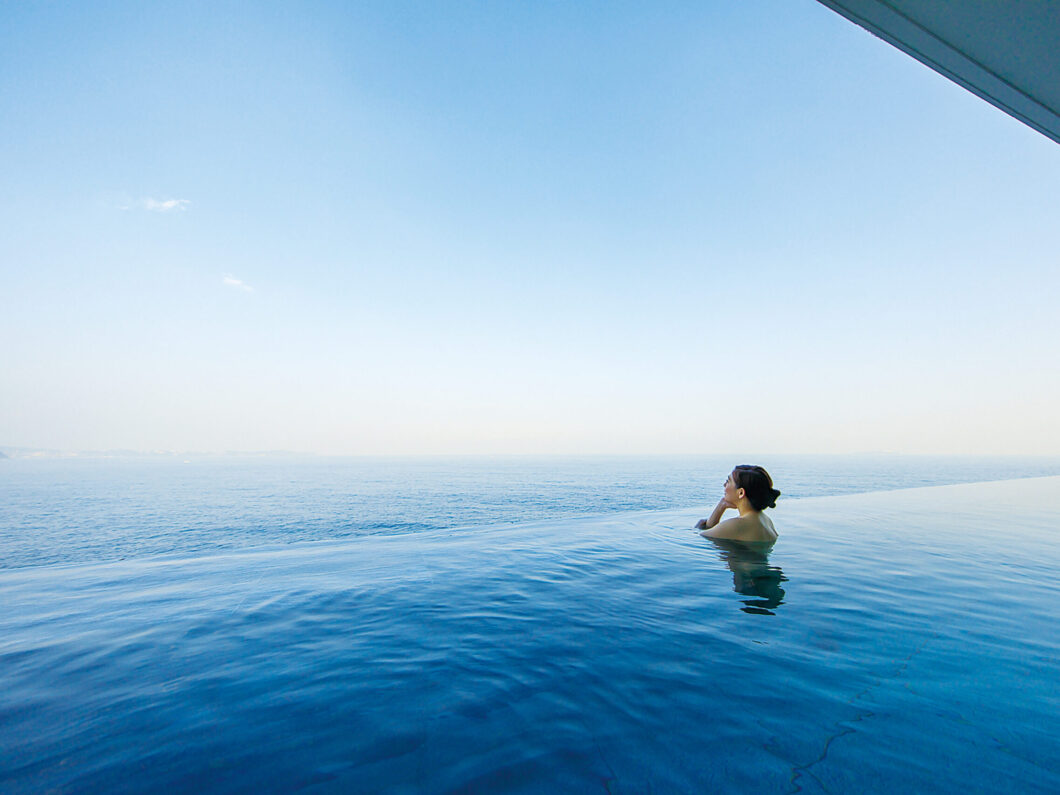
(722, 506)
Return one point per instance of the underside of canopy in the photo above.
(1007, 52)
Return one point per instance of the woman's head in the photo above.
(757, 486)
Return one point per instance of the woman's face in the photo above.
(732, 494)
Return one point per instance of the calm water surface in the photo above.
(74, 511)
(902, 641)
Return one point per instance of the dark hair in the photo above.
(758, 486)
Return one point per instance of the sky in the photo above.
(513, 228)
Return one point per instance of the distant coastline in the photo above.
(33, 452)
(11, 452)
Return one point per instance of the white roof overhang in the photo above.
(1006, 51)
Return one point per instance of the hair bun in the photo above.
(757, 484)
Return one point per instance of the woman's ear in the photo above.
(741, 493)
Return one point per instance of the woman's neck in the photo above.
(744, 507)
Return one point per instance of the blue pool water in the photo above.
(890, 641)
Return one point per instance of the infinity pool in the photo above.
(899, 641)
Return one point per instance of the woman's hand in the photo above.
(724, 504)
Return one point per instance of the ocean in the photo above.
(525, 626)
(83, 510)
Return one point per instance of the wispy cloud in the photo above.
(153, 205)
(239, 284)
(165, 205)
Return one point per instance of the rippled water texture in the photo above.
(889, 642)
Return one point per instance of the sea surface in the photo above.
(81, 510)
(523, 626)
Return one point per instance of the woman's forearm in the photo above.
(715, 517)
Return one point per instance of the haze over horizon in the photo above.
(400, 228)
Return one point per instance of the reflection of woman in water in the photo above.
(749, 490)
(752, 575)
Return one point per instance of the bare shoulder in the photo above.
(744, 528)
(730, 528)
(770, 532)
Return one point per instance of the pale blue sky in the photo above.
(513, 228)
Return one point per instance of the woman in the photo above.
(749, 490)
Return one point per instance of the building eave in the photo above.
(1008, 53)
